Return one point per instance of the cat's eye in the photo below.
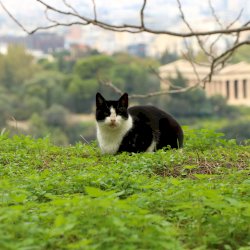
(121, 110)
(106, 113)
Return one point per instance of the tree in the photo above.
(56, 116)
(62, 64)
(38, 127)
(187, 104)
(66, 14)
(81, 94)
(17, 66)
(134, 75)
(87, 74)
(97, 66)
(242, 54)
(239, 130)
(5, 106)
(168, 57)
(2, 68)
(49, 86)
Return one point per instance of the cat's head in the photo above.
(111, 114)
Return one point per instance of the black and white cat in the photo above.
(135, 129)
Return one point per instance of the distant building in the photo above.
(137, 49)
(74, 35)
(78, 51)
(45, 41)
(9, 39)
(162, 43)
(232, 82)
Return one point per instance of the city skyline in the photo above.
(127, 11)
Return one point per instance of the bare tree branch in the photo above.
(124, 27)
(227, 27)
(163, 80)
(110, 85)
(94, 9)
(71, 7)
(153, 94)
(224, 56)
(189, 58)
(13, 18)
(207, 40)
(214, 14)
(142, 13)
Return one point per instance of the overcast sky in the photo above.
(159, 13)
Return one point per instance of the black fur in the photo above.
(149, 124)
(103, 107)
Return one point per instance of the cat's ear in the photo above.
(99, 100)
(124, 100)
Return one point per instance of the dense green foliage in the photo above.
(33, 90)
(75, 198)
(242, 54)
(46, 94)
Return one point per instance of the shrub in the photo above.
(73, 197)
(239, 130)
(56, 115)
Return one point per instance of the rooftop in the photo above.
(186, 68)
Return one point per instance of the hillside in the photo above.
(73, 197)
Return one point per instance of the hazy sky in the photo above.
(159, 13)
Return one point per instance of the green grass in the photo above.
(75, 198)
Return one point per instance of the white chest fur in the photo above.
(110, 138)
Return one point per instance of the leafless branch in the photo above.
(85, 140)
(110, 85)
(191, 29)
(221, 59)
(206, 39)
(227, 27)
(71, 7)
(189, 58)
(142, 13)
(153, 94)
(163, 80)
(94, 9)
(123, 27)
(214, 14)
(13, 18)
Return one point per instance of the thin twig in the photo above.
(214, 14)
(191, 29)
(124, 27)
(156, 73)
(140, 96)
(86, 141)
(227, 27)
(142, 13)
(218, 59)
(71, 7)
(94, 9)
(191, 61)
(111, 86)
(13, 18)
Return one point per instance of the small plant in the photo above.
(74, 197)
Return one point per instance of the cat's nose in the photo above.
(113, 121)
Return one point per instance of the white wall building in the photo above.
(232, 82)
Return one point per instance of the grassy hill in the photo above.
(75, 198)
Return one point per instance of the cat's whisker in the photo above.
(135, 129)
